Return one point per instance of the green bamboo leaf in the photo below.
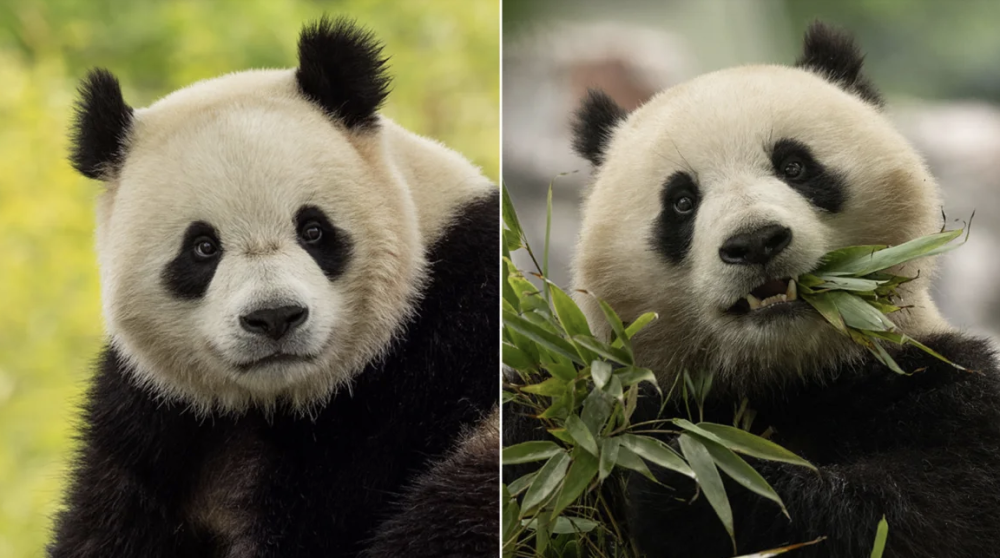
(849, 284)
(609, 455)
(895, 255)
(581, 473)
(516, 358)
(551, 387)
(616, 325)
(570, 315)
(629, 460)
(602, 349)
(870, 342)
(743, 442)
(582, 435)
(509, 214)
(522, 483)
(508, 515)
(824, 304)
(527, 452)
(836, 261)
(546, 481)
(631, 401)
(881, 534)
(567, 525)
(709, 480)
(638, 325)
(597, 408)
(656, 452)
(859, 314)
(614, 388)
(509, 296)
(741, 471)
(631, 375)
(544, 338)
(600, 371)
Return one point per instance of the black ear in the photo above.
(342, 70)
(593, 125)
(101, 126)
(834, 55)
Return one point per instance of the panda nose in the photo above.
(274, 322)
(756, 247)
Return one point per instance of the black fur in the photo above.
(823, 187)
(594, 124)
(333, 250)
(101, 127)
(342, 70)
(186, 276)
(442, 512)
(834, 55)
(674, 230)
(923, 450)
(323, 484)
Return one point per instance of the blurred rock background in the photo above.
(445, 64)
(938, 64)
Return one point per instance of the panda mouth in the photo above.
(276, 358)
(774, 292)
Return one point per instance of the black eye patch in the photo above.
(330, 246)
(794, 163)
(188, 275)
(674, 226)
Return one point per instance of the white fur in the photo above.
(244, 152)
(718, 127)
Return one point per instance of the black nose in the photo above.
(756, 247)
(274, 322)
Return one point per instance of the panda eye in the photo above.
(205, 248)
(683, 205)
(311, 233)
(793, 169)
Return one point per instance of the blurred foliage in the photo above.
(444, 60)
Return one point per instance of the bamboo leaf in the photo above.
(616, 325)
(570, 315)
(546, 481)
(656, 452)
(895, 255)
(611, 353)
(600, 371)
(881, 534)
(740, 471)
(709, 480)
(527, 452)
(823, 303)
(743, 442)
(552, 387)
(631, 375)
(629, 460)
(576, 428)
(638, 325)
(581, 473)
(859, 314)
(597, 408)
(782, 550)
(544, 338)
(609, 455)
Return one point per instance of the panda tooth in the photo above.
(793, 292)
(754, 302)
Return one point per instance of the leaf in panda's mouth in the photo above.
(853, 292)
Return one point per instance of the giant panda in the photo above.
(301, 301)
(706, 203)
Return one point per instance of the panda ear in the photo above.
(834, 55)
(593, 125)
(342, 70)
(101, 127)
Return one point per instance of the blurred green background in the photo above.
(445, 65)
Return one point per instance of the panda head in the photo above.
(255, 245)
(708, 199)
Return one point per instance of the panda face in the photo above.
(714, 196)
(250, 248)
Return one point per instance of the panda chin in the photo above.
(274, 360)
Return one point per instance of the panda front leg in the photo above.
(112, 512)
(923, 496)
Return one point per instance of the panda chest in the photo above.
(222, 503)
